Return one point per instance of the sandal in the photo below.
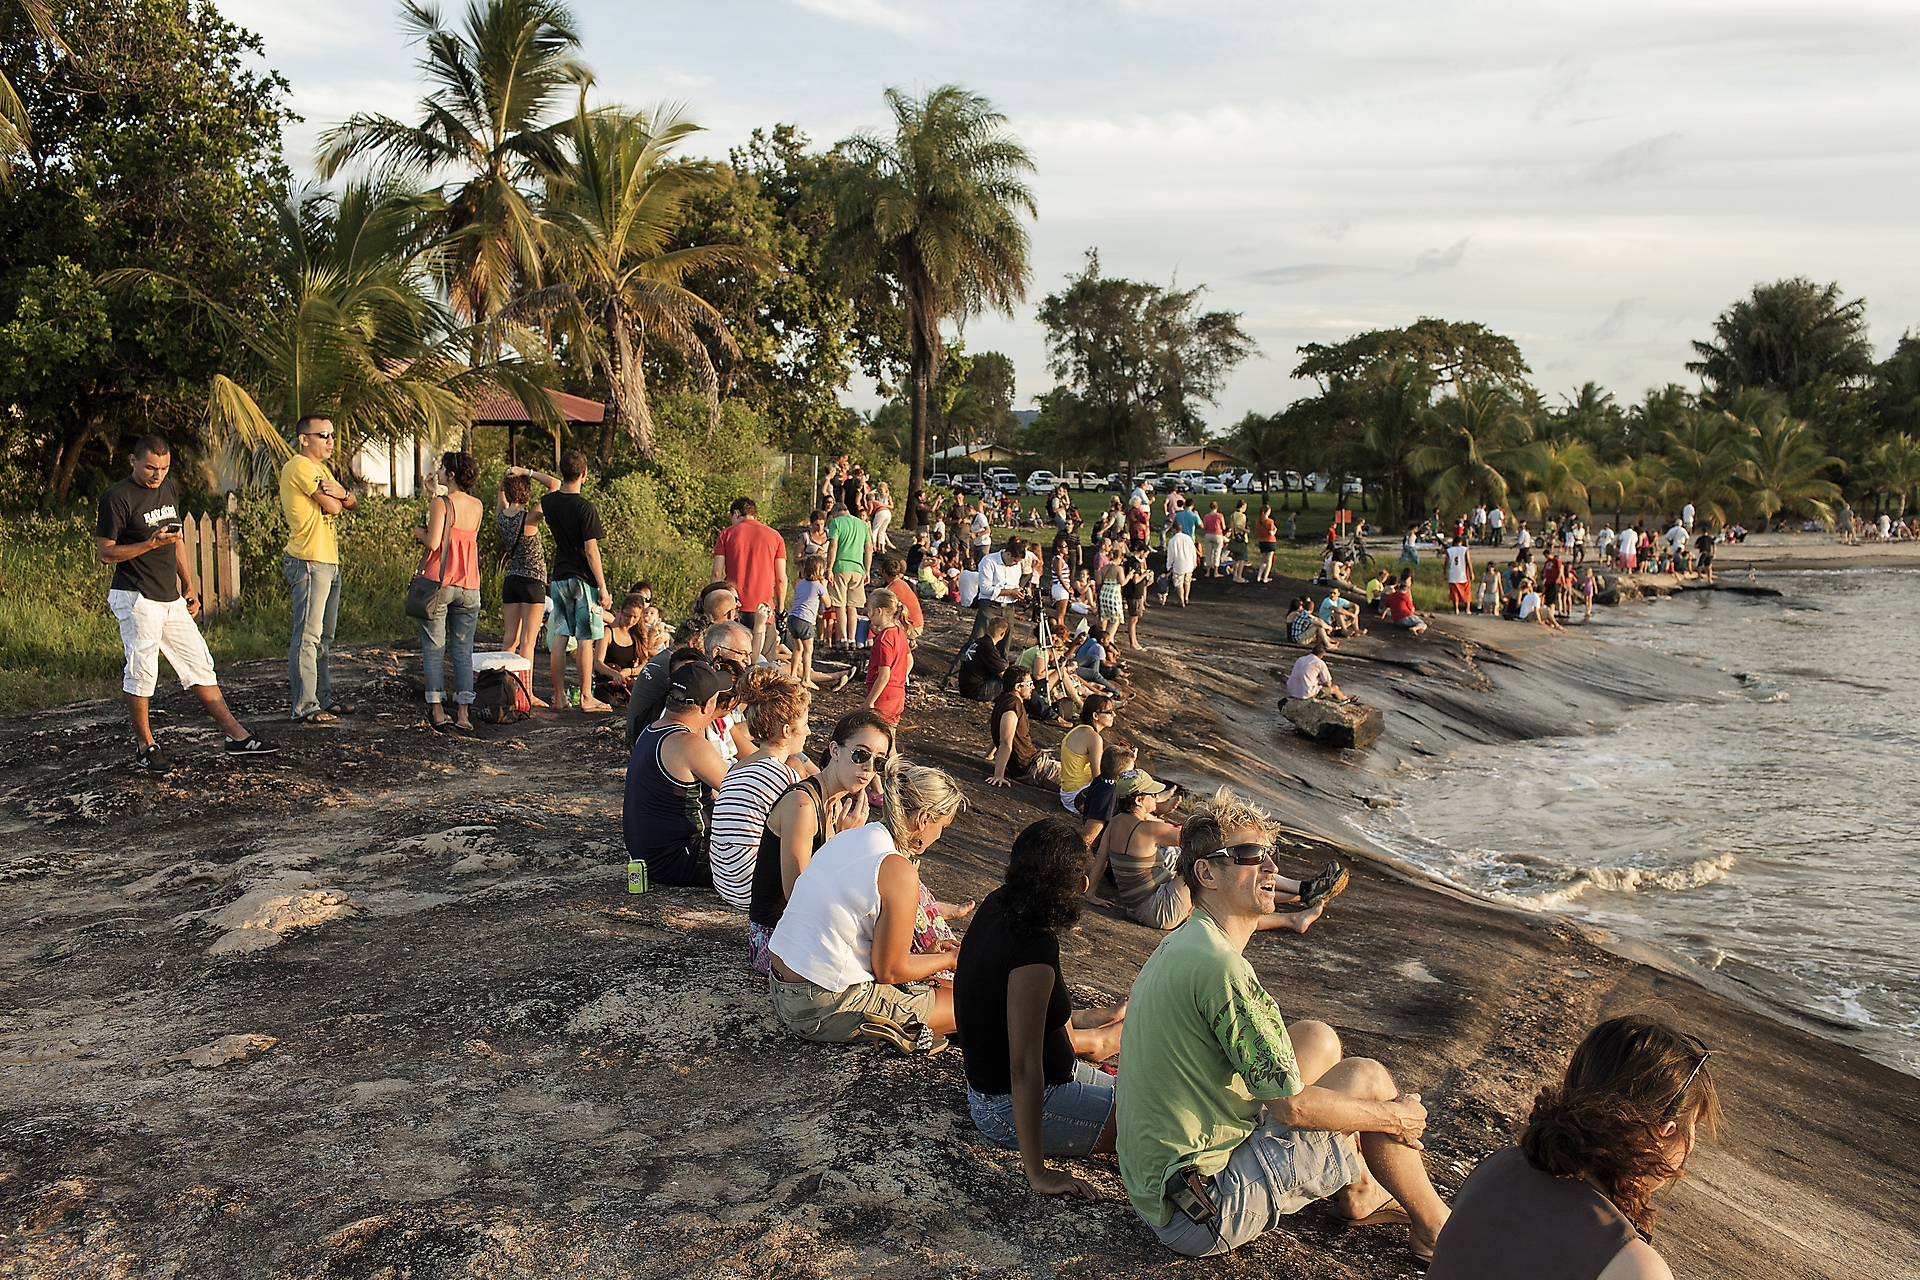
(322, 716)
(1389, 1214)
(1329, 884)
(338, 708)
(916, 1039)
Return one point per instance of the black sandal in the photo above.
(338, 708)
(1329, 884)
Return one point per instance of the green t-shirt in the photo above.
(850, 534)
(1203, 1047)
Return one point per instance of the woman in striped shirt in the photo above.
(776, 706)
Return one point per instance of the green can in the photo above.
(636, 876)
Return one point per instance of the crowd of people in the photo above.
(1224, 1117)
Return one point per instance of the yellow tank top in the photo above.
(1076, 771)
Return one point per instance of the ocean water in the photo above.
(1771, 833)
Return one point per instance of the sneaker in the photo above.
(253, 746)
(149, 757)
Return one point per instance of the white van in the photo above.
(1039, 482)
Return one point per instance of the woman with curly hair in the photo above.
(1573, 1199)
(777, 707)
(1030, 1083)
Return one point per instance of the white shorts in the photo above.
(150, 630)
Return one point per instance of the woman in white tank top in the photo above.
(843, 961)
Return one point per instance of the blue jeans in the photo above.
(316, 608)
(453, 613)
(1072, 1115)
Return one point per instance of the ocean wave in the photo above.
(1619, 880)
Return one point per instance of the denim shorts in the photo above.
(1276, 1171)
(1072, 1115)
(798, 627)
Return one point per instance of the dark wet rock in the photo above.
(1348, 724)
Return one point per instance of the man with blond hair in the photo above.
(1227, 1120)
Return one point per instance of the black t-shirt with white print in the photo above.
(129, 513)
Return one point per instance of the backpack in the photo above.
(502, 697)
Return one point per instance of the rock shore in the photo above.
(381, 1006)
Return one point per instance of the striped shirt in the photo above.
(739, 819)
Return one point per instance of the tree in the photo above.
(1705, 462)
(1386, 416)
(989, 384)
(114, 180)
(354, 332)
(1478, 442)
(1591, 415)
(1785, 460)
(935, 212)
(1893, 470)
(798, 331)
(489, 122)
(1786, 337)
(614, 207)
(1452, 352)
(1139, 359)
(16, 130)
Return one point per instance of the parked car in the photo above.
(941, 480)
(1004, 481)
(1147, 481)
(972, 486)
(1042, 482)
(1352, 485)
(1214, 484)
(1251, 482)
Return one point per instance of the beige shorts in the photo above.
(151, 630)
(1044, 771)
(847, 590)
(835, 1017)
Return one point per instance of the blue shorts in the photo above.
(1072, 1115)
(576, 609)
(798, 627)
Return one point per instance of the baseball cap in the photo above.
(696, 682)
(1137, 782)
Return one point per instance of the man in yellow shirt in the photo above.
(312, 498)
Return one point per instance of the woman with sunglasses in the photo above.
(843, 963)
(807, 814)
(1572, 1200)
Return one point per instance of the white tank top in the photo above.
(826, 934)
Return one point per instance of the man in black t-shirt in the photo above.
(983, 662)
(139, 533)
(577, 586)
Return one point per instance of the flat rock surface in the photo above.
(448, 1043)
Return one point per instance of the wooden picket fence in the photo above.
(214, 559)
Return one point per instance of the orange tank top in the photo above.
(461, 552)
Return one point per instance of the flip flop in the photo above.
(1389, 1214)
(322, 716)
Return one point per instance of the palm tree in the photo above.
(1386, 414)
(488, 123)
(356, 334)
(934, 212)
(1893, 469)
(614, 208)
(1784, 455)
(1554, 478)
(1704, 462)
(16, 131)
(1479, 441)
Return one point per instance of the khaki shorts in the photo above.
(848, 590)
(834, 1017)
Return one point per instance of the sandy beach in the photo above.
(382, 1005)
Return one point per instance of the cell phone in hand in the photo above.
(172, 526)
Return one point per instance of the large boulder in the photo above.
(1336, 724)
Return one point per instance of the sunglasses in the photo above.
(318, 435)
(1245, 855)
(866, 755)
(1705, 1053)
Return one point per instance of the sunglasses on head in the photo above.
(865, 755)
(1699, 1047)
(1245, 855)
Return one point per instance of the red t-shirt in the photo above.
(751, 549)
(889, 651)
(1137, 522)
(909, 601)
(1399, 604)
(1213, 522)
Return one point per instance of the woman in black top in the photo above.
(1027, 1086)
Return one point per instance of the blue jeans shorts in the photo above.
(1072, 1115)
(1277, 1171)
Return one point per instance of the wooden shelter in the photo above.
(498, 409)
(1189, 457)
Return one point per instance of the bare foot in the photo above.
(1301, 921)
(957, 911)
(594, 704)
(544, 706)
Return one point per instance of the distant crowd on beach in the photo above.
(1225, 1118)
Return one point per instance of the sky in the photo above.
(1596, 181)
